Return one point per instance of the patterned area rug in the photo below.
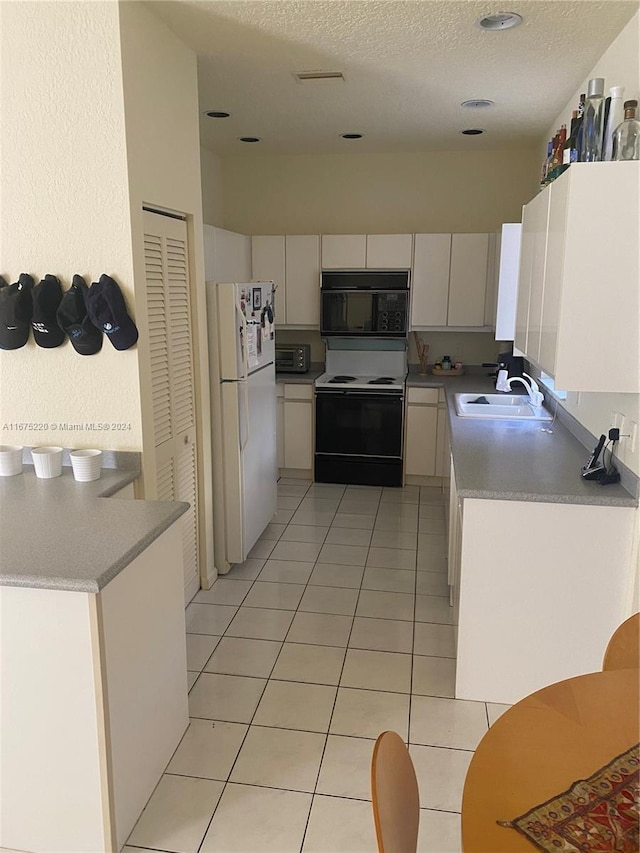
(595, 815)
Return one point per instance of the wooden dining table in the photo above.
(540, 746)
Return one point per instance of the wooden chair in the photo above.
(394, 788)
(623, 650)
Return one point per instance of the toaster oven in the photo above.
(293, 358)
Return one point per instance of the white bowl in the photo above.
(86, 464)
(47, 462)
(10, 460)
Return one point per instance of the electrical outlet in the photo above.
(622, 424)
(633, 436)
(613, 420)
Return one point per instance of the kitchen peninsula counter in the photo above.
(540, 562)
(64, 535)
(515, 460)
(93, 663)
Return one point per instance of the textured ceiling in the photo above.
(408, 64)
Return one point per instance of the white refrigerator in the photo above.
(241, 327)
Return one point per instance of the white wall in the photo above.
(376, 193)
(65, 210)
(212, 202)
(160, 86)
(620, 66)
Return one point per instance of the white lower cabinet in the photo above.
(280, 424)
(455, 543)
(295, 436)
(426, 434)
(537, 593)
(94, 703)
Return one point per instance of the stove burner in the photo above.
(381, 380)
(335, 379)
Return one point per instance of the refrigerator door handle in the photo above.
(244, 341)
(243, 444)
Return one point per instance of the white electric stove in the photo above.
(362, 383)
(359, 418)
(364, 371)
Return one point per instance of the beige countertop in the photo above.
(60, 534)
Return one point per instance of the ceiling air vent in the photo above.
(319, 76)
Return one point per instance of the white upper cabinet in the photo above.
(449, 283)
(580, 262)
(293, 263)
(389, 251)
(267, 264)
(468, 279)
(227, 255)
(533, 246)
(430, 279)
(344, 251)
(493, 267)
(508, 259)
(366, 251)
(302, 274)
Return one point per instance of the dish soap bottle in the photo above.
(446, 362)
(626, 137)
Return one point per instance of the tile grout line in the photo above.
(326, 739)
(206, 832)
(335, 699)
(297, 610)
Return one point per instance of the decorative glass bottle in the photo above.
(592, 121)
(570, 143)
(626, 137)
(575, 154)
(616, 115)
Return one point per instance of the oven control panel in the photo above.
(391, 315)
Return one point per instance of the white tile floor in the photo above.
(336, 628)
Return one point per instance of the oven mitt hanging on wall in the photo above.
(73, 319)
(47, 296)
(108, 311)
(16, 307)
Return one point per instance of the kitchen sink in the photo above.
(509, 406)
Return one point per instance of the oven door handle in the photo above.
(369, 395)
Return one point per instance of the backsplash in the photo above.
(303, 336)
(467, 347)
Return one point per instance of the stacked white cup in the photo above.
(86, 464)
(10, 460)
(47, 462)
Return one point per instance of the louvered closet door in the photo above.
(172, 380)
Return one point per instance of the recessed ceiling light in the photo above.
(217, 114)
(351, 135)
(477, 103)
(472, 131)
(500, 21)
(250, 139)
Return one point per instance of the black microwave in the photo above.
(372, 303)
